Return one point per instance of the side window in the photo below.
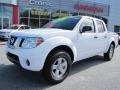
(87, 26)
(100, 25)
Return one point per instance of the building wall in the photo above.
(114, 13)
(30, 11)
(114, 16)
(14, 2)
(8, 13)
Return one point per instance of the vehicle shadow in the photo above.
(15, 78)
(3, 42)
(86, 63)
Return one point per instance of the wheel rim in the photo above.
(111, 51)
(59, 68)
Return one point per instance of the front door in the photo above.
(102, 36)
(87, 40)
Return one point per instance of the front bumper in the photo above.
(29, 59)
(13, 58)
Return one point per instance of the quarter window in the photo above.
(100, 25)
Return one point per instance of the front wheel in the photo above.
(109, 55)
(57, 67)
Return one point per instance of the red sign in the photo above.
(89, 8)
(15, 14)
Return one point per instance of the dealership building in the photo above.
(36, 13)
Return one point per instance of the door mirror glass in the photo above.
(87, 29)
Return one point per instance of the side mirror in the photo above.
(87, 28)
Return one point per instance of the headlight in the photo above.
(31, 42)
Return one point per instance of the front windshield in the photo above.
(67, 23)
(13, 27)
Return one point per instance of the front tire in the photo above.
(109, 55)
(57, 67)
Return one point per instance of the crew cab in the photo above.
(53, 48)
(4, 33)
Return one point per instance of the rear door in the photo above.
(101, 35)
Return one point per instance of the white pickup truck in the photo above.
(55, 47)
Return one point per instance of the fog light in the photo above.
(27, 62)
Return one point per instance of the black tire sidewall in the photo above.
(49, 63)
(111, 46)
(107, 56)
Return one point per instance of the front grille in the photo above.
(13, 58)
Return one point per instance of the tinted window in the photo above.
(88, 22)
(26, 27)
(67, 23)
(100, 26)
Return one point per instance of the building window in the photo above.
(24, 21)
(1, 12)
(34, 13)
(43, 22)
(5, 16)
(34, 23)
(74, 13)
(117, 28)
(55, 14)
(24, 12)
(7, 11)
(34, 17)
(0, 23)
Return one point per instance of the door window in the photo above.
(87, 24)
(100, 25)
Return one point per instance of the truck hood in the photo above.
(42, 32)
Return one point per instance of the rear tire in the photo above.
(109, 55)
(57, 67)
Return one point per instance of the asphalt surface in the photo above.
(90, 74)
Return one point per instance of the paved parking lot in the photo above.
(91, 74)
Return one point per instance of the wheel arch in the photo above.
(112, 43)
(61, 47)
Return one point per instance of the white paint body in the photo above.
(83, 45)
